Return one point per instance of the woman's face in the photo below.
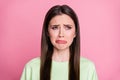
(61, 31)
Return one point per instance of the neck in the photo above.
(61, 55)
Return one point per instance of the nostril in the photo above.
(61, 35)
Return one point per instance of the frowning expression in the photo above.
(61, 31)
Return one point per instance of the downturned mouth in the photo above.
(61, 41)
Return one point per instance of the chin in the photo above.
(62, 48)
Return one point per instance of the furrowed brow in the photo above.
(54, 25)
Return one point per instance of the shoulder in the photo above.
(87, 69)
(84, 60)
(33, 62)
(36, 61)
(31, 70)
(86, 63)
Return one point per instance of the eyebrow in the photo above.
(63, 24)
(67, 25)
(54, 25)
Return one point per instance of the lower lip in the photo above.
(61, 41)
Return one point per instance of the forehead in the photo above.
(62, 19)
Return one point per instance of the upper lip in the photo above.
(60, 40)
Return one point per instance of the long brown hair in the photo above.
(47, 47)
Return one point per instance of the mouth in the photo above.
(61, 41)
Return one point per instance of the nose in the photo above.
(61, 32)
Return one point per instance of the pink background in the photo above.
(20, 32)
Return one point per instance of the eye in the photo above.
(54, 27)
(67, 27)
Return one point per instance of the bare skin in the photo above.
(61, 32)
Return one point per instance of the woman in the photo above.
(60, 50)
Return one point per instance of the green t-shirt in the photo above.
(59, 70)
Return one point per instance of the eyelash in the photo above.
(54, 27)
(67, 27)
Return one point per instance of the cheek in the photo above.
(51, 33)
(52, 37)
(71, 35)
(70, 38)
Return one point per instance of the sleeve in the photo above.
(27, 73)
(93, 73)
